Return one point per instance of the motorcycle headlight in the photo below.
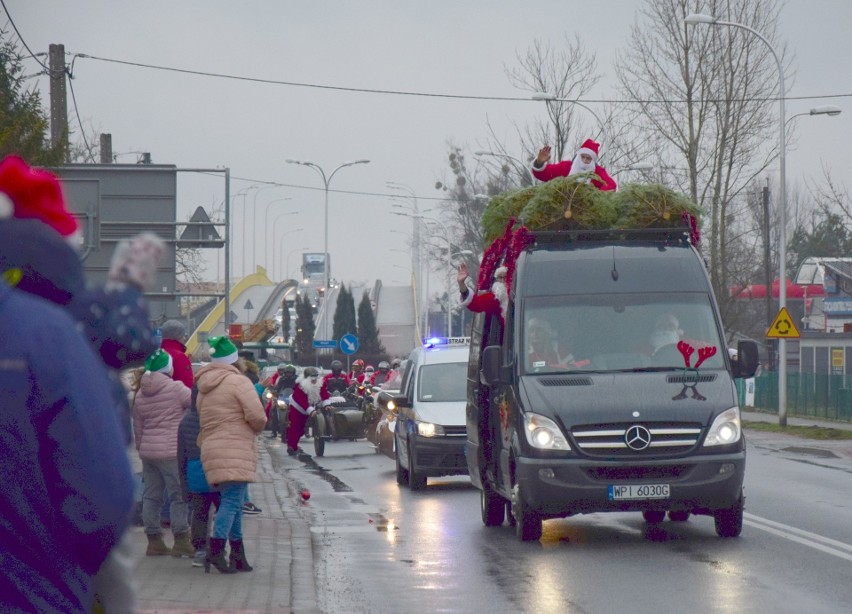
(268, 394)
(543, 433)
(282, 403)
(726, 429)
(428, 429)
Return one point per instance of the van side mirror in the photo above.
(491, 365)
(747, 359)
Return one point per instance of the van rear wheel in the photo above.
(492, 506)
(527, 521)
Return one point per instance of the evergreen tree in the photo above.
(828, 238)
(305, 327)
(368, 334)
(344, 314)
(23, 122)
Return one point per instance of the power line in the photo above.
(21, 38)
(438, 95)
(79, 121)
(320, 189)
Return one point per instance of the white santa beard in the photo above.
(311, 389)
(578, 166)
(498, 288)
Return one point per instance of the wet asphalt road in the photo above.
(380, 548)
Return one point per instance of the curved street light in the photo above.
(266, 240)
(548, 97)
(700, 18)
(281, 242)
(326, 180)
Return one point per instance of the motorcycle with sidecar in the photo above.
(339, 417)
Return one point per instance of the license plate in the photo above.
(638, 491)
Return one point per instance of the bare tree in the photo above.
(704, 106)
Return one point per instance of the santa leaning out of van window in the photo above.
(493, 301)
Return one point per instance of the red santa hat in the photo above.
(26, 192)
(591, 148)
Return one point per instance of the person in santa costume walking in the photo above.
(308, 392)
(585, 161)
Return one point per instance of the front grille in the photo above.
(455, 431)
(611, 474)
(609, 440)
(441, 460)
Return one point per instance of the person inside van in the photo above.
(664, 339)
(544, 348)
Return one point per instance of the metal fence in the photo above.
(808, 394)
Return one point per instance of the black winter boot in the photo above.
(216, 557)
(238, 557)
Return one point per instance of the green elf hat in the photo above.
(222, 350)
(159, 362)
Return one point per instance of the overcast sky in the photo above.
(455, 47)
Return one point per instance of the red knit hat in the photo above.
(589, 147)
(26, 192)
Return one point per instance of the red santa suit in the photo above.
(303, 401)
(575, 166)
(494, 301)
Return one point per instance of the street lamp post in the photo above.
(280, 241)
(548, 97)
(326, 181)
(526, 167)
(266, 240)
(245, 192)
(254, 225)
(698, 18)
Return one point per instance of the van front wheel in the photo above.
(492, 506)
(527, 521)
(729, 521)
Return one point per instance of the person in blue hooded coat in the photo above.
(67, 487)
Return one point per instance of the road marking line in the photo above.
(806, 538)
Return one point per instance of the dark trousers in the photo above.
(199, 525)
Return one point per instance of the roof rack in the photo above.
(678, 235)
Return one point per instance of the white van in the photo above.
(431, 432)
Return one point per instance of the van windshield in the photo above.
(618, 332)
(442, 382)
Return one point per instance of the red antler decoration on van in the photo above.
(687, 351)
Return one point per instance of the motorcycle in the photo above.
(339, 417)
(385, 440)
(380, 422)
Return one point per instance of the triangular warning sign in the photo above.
(783, 326)
(201, 230)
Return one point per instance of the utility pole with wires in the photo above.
(58, 99)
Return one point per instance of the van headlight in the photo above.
(428, 429)
(726, 429)
(543, 433)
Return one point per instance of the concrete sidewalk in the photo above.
(278, 546)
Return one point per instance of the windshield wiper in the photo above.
(650, 369)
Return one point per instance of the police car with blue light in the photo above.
(430, 434)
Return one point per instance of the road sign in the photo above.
(348, 343)
(783, 327)
(325, 343)
(248, 306)
(200, 232)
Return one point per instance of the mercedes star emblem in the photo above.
(637, 437)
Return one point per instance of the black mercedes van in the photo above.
(608, 386)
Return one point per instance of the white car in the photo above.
(430, 434)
